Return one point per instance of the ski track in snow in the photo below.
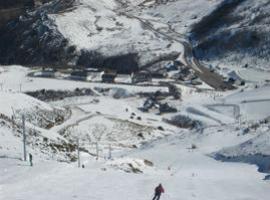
(192, 175)
(186, 173)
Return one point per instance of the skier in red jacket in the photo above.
(158, 190)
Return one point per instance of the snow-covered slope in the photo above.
(259, 145)
(39, 118)
(14, 105)
(254, 151)
(34, 39)
(235, 35)
(125, 147)
(252, 103)
(126, 35)
(125, 151)
(100, 27)
(179, 15)
(123, 35)
(42, 144)
(14, 78)
(184, 173)
(18, 102)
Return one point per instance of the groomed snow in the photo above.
(99, 26)
(185, 174)
(15, 102)
(181, 157)
(15, 79)
(252, 102)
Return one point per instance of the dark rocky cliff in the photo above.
(10, 10)
(33, 39)
(237, 34)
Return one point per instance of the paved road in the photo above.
(211, 78)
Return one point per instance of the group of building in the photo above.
(93, 74)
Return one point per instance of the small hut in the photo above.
(142, 76)
(80, 75)
(108, 76)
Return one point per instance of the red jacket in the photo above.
(159, 189)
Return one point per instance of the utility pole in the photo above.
(1, 84)
(20, 87)
(13, 123)
(78, 150)
(240, 122)
(97, 150)
(110, 152)
(24, 138)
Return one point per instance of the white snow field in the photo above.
(177, 15)
(145, 150)
(185, 174)
(253, 103)
(98, 26)
(254, 75)
(131, 26)
(15, 102)
(15, 79)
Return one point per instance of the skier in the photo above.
(31, 159)
(158, 190)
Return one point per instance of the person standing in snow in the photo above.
(158, 190)
(31, 159)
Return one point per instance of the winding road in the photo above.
(206, 75)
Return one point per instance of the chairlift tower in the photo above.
(24, 138)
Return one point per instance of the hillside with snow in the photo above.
(126, 150)
(141, 33)
(109, 98)
(85, 32)
(235, 35)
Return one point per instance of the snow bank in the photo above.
(99, 26)
(253, 151)
(14, 103)
(180, 15)
(131, 165)
(252, 103)
(119, 93)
